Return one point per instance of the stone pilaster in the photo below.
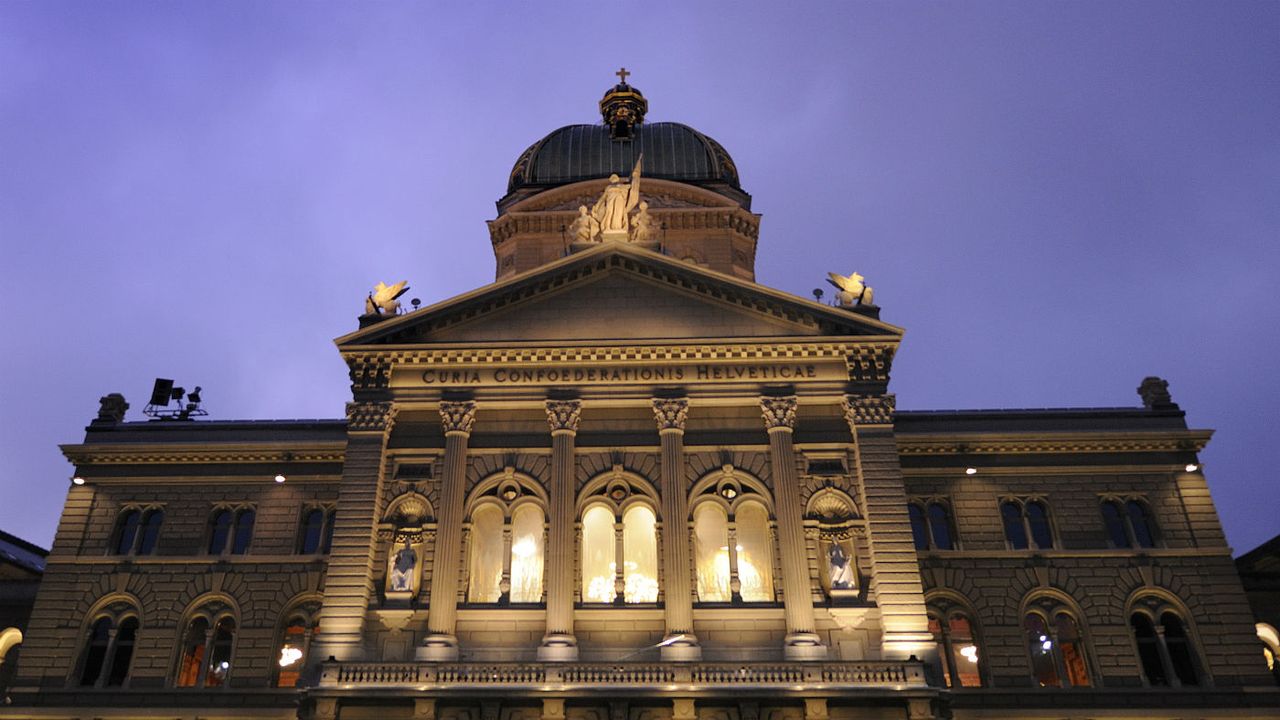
(802, 641)
(441, 644)
(895, 571)
(349, 579)
(681, 644)
(559, 643)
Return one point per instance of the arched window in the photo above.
(208, 643)
(486, 555)
(527, 524)
(1164, 646)
(122, 654)
(234, 527)
(1056, 647)
(219, 531)
(295, 645)
(1026, 524)
(326, 542)
(1179, 648)
(1144, 636)
(310, 531)
(151, 522)
(957, 643)
(126, 532)
(95, 657)
(754, 556)
(1129, 525)
(635, 539)
(711, 546)
(243, 532)
(931, 524)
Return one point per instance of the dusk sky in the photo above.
(1054, 199)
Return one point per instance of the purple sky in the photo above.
(1055, 199)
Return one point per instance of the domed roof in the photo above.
(672, 151)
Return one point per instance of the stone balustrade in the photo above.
(684, 677)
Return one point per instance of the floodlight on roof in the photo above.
(163, 392)
(160, 392)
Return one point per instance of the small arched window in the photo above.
(95, 657)
(326, 542)
(137, 531)
(1056, 648)
(1027, 524)
(931, 524)
(151, 522)
(122, 654)
(126, 532)
(1113, 519)
(1144, 535)
(233, 528)
(310, 531)
(1179, 647)
(219, 531)
(243, 533)
(1149, 655)
(1129, 523)
(294, 646)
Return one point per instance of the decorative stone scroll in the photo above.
(458, 417)
(370, 416)
(869, 409)
(563, 415)
(779, 412)
(670, 413)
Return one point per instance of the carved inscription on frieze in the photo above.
(783, 372)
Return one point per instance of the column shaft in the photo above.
(681, 643)
(442, 617)
(559, 643)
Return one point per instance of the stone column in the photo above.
(442, 619)
(802, 641)
(895, 571)
(559, 643)
(680, 642)
(349, 579)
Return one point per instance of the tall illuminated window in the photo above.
(727, 552)
(604, 539)
(499, 569)
(1056, 648)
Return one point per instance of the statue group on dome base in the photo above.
(617, 216)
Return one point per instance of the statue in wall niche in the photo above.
(840, 568)
(642, 225)
(852, 290)
(403, 567)
(585, 228)
(613, 209)
(382, 301)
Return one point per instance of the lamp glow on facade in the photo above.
(1192, 467)
(77, 480)
(971, 471)
(280, 478)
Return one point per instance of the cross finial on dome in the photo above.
(622, 75)
(623, 107)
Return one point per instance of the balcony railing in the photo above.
(559, 677)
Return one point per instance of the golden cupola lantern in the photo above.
(623, 108)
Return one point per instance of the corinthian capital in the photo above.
(670, 414)
(458, 417)
(370, 416)
(779, 412)
(869, 409)
(563, 415)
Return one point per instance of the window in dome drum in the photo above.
(621, 130)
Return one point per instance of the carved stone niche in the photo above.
(839, 544)
(404, 531)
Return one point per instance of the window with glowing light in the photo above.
(527, 524)
(958, 648)
(754, 557)
(207, 646)
(711, 546)
(294, 645)
(733, 554)
(1056, 648)
(635, 539)
(486, 555)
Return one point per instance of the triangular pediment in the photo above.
(617, 293)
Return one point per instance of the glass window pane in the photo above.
(1144, 636)
(1014, 531)
(193, 651)
(327, 543)
(290, 660)
(151, 523)
(1140, 519)
(964, 647)
(219, 531)
(1044, 669)
(486, 555)
(935, 628)
(125, 638)
(244, 532)
(640, 546)
(940, 525)
(597, 555)
(919, 533)
(711, 547)
(1072, 651)
(96, 651)
(1038, 519)
(1116, 534)
(755, 556)
(127, 532)
(526, 554)
(1179, 646)
(312, 522)
(220, 657)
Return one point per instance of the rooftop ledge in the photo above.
(660, 678)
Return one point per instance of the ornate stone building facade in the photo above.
(625, 481)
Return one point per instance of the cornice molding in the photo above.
(870, 350)
(204, 453)
(1052, 443)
